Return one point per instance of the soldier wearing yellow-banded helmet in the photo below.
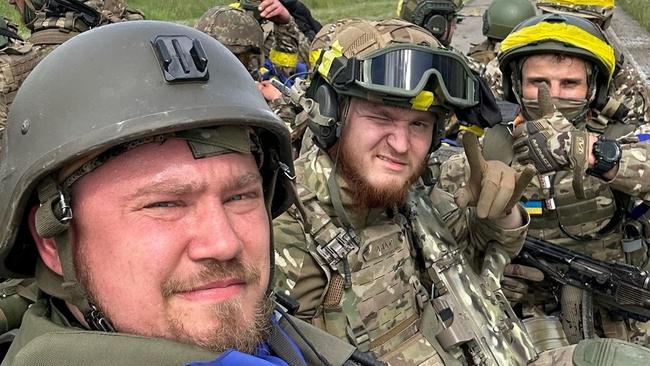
(359, 251)
(628, 86)
(581, 201)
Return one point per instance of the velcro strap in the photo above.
(50, 36)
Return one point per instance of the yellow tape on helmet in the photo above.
(603, 3)
(283, 59)
(328, 57)
(423, 101)
(236, 5)
(565, 33)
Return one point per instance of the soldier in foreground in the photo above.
(377, 263)
(591, 176)
(147, 227)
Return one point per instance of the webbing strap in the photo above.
(283, 348)
(50, 36)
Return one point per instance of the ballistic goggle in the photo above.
(406, 72)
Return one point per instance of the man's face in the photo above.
(175, 247)
(565, 76)
(383, 151)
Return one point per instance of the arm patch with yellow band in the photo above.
(283, 59)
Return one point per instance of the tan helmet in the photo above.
(597, 11)
(392, 61)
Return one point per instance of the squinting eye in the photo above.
(163, 204)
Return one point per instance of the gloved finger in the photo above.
(514, 285)
(489, 189)
(474, 159)
(463, 197)
(523, 180)
(525, 272)
(545, 100)
(520, 132)
(504, 194)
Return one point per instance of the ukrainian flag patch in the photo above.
(533, 207)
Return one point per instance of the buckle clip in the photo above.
(338, 248)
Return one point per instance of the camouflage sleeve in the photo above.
(633, 170)
(494, 78)
(3, 115)
(297, 274)
(285, 48)
(630, 88)
(285, 111)
(475, 234)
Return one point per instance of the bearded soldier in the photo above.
(174, 192)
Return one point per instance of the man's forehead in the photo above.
(392, 110)
(532, 62)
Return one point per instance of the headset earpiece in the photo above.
(328, 106)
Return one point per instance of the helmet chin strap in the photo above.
(53, 222)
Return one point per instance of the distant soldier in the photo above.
(498, 20)
(51, 24)
(628, 86)
(240, 32)
(439, 17)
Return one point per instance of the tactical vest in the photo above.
(381, 311)
(388, 310)
(559, 216)
(16, 63)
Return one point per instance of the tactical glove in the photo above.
(493, 187)
(551, 143)
(514, 283)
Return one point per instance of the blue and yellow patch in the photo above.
(533, 207)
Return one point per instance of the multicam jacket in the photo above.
(586, 225)
(380, 305)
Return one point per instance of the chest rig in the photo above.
(374, 298)
(596, 224)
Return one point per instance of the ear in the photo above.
(47, 248)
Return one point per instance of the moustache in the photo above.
(213, 271)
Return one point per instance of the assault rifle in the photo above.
(622, 287)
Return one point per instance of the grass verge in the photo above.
(638, 9)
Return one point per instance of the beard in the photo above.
(369, 195)
(235, 330)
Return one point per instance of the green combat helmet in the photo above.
(597, 11)
(137, 80)
(563, 34)
(238, 31)
(503, 15)
(437, 16)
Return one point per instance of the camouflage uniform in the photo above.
(18, 60)
(382, 309)
(484, 52)
(628, 86)
(558, 214)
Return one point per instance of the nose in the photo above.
(215, 236)
(398, 139)
(555, 89)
